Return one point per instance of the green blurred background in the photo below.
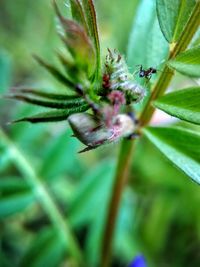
(159, 213)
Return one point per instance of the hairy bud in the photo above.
(93, 133)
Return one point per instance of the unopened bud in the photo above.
(93, 132)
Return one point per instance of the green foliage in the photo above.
(53, 201)
(46, 250)
(51, 116)
(90, 16)
(56, 160)
(15, 196)
(180, 146)
(78, 13)
(147, 45)
(95, 186)
(173, 17)
(64, 104)
(55, 72)
(187, 62)
(183, 104)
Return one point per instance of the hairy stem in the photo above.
(43, 196)
(126, 148)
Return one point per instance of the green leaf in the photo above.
(156, 219)
(47, 202)
(146, 46)
(15, 196)
(53, 116)
(78, 14)
(46, 250)
(196, 39)
(187, 62)
(10, 185)
(115, 19)
(46, 95)
(183, 104)
(180, 146)
(125, 240)
(12, 204)
(78, 42)
(95, 186)
(70, 66)
(62, 104)
(172, 179)
(173, 16)
(55, 72)
(90, 13)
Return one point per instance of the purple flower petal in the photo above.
(139, 261)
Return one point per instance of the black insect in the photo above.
(146, 73)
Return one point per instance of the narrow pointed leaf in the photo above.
(78, 14)
(187, 62)
(55, 72)
(180, 146)
(12, 184)
(69, 65)
(15, 196)
(15, 203)
(46, 95)
(53, 116)
(95, 186)
(47, 249)
(78, 42)
(173, 16)
(183, 104)
(62, 104)
(91, 19)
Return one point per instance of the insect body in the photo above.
(146, 73)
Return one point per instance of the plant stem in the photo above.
(120, 180)
(127, 147)
(167, 74)
(43, 196)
